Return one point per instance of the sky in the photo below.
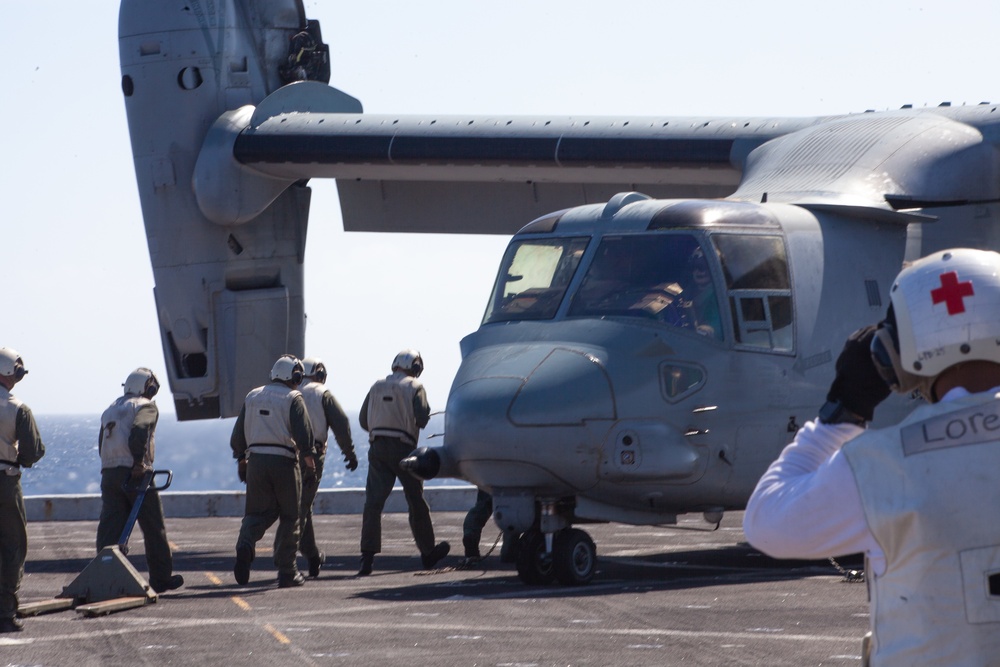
(78, 283)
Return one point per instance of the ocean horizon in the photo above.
(197, 452)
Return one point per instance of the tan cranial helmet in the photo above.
(142, 382)
(946, 308)
(409, 361)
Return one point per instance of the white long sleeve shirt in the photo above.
(807, 504)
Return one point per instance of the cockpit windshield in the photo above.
(665, 277)
(533, 279)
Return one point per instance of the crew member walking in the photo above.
(20, 446)
(325, 414)
(126, 445)
(393, 413)
(270, 434)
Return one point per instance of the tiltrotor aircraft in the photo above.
(648, 347)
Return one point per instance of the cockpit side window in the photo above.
(758, 288)
(533, 279)
(661, 276)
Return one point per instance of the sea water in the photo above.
(197, 452)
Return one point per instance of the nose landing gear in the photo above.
(572, 558)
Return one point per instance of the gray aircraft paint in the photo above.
(566, 418)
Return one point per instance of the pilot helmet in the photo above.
(11, 364)
(287, 369)
(697, 260)
(141, 382)
(943, 312)
(410, 362)
(313, 367)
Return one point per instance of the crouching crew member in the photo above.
(269, 436)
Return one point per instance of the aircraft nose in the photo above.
(501, 396)
(537, 386)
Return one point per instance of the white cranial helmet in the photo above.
(947, 311)
(287, 368)
(314, 367)
(142, 382)
(11, 364)
(409, 361)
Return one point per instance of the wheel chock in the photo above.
(44, 606)
(111, 606)
(107, 577)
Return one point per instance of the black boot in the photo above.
(290, 580)
(431, 558)
(11, 624)
(367, 561)
(171, 584)
(315, 564)
(244, 556)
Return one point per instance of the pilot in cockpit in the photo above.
(700, 294)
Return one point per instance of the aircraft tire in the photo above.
(534, 565)
(574, 557)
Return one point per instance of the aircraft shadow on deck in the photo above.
(674, 570)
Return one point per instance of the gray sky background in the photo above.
(78, 287)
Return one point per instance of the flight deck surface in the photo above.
(661, 596)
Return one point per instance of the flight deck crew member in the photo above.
(393, 413)
(126, 445)
(472, 531)
(270, 435)
(325, 414)
(20, 446)
(918, 498)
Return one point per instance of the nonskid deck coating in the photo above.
(661, 596)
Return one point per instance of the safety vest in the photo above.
(313, 393)
(390, 408)
(116, 425)
(267, 426)
(8, 429)
(930, 492)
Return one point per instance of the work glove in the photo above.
(857, 385)
(352, 461)
(138, 470)
(241, 470)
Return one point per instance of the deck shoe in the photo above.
(290, 580)
(11, 625)
(171, 584)
(315, 564)
(244, 556)
(367, 562)
(431, 558)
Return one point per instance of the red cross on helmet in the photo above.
(947, 310)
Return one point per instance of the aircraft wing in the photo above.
(230, 116)
(457, 174)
